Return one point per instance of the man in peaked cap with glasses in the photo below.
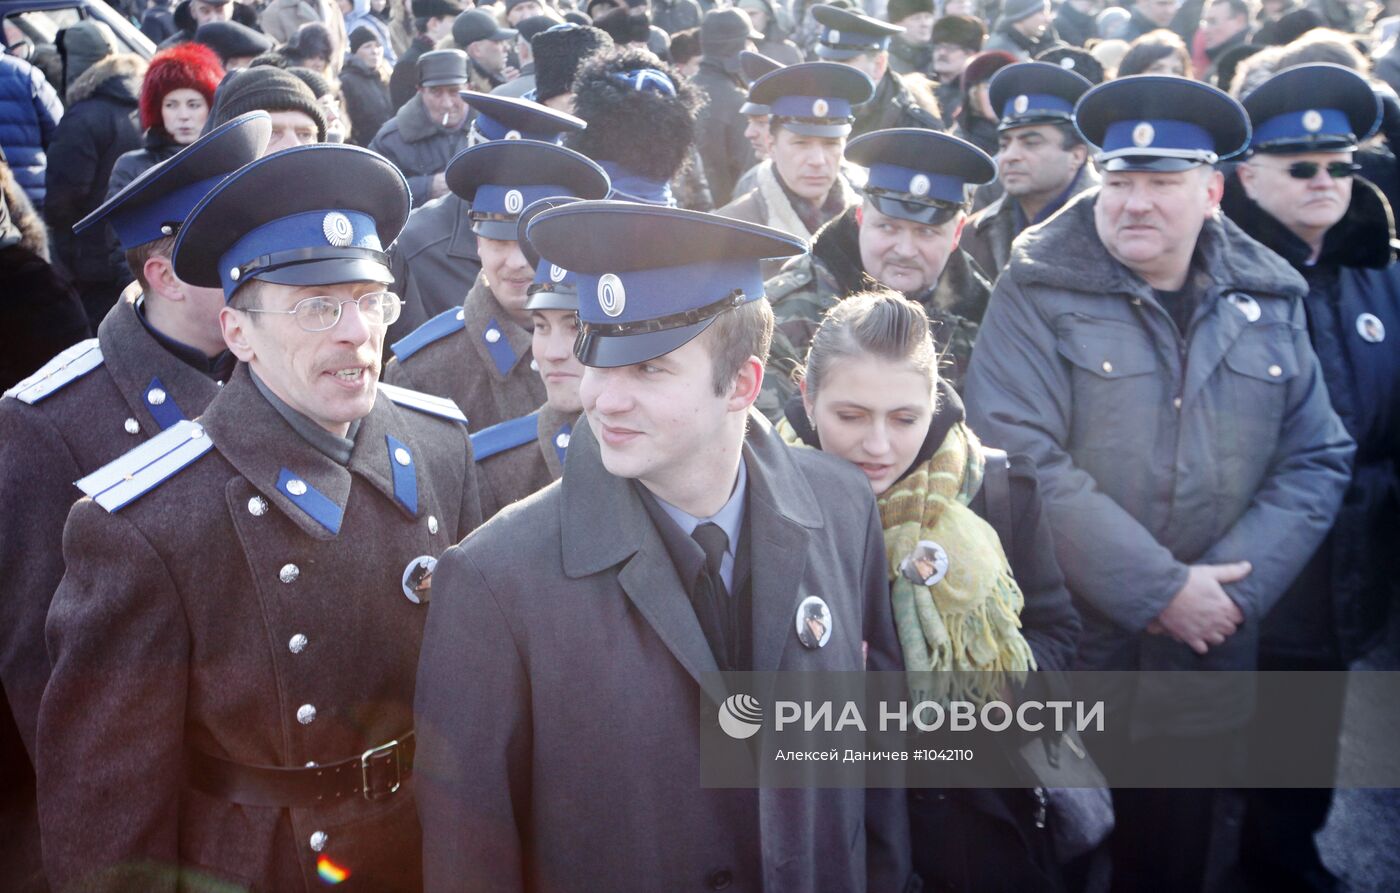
(158, 357)
(681, 539)
(236, 635)
(435, 259)
(1153, 361)
(1299, 193)
(862, 42)
(521, 455)
(811, 107)
(904, 235)
(478, 354)
(1043, 161)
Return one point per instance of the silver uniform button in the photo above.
(306, 714)
(297, 644)
(132, 426)
(493, 335)
(1275, 371)
(432, 524)
(534, 365)
(289, 573)
(318, 840)
(401, 456)
(562, 441)
(312, 764)
(257, 506)
(156, 397)
(296, 487)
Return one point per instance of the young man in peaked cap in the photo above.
(862, 42)
(158, 357)
(811, 111)
(236, 635)
(478, 354)
(682, 538)
(521, 455)
(1043, 161)
(904, 235)
(435, 259)
(1154, 361)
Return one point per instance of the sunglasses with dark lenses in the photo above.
(1306, 170)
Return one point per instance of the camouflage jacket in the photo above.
(808, 286)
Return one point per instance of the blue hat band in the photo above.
(1155, 137)
(811, 107)
(1029, 105)
(553, 275)
(622, 299)
(918, 184)
(1309, 124)
(319, 235)
(495, 130)
(853, 40)
(509, 201)
(143, 223)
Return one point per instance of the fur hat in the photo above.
(189, 66)
(960, 30)
(558, 54)
(625, 25)
(983, 66)
(899, 10)
(647, 132)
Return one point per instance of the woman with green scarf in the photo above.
(962, 602)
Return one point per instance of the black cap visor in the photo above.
(330, 271)
(822, 127)
(905, 207)
(595, 348)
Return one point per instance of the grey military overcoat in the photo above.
(1156, 452)
(434, 261)
(559, 693)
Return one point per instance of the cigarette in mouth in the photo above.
(444, 118)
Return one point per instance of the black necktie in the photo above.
(710, 597)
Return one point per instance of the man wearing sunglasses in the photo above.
(235, 639)
(1298, 194)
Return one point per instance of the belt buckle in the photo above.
(384, 754)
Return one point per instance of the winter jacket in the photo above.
(1338, 606)
(899, 101)
(1074, 27)
(719, 130)
(910, 58)
(100, 126)
(158, 24)
(675, 15)
(1007, 39)
(29, 112)
(417, 146)
(367, 102)
(156, 147)
(1154, 451)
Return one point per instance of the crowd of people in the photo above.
(408, 404)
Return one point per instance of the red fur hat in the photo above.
(187, 66)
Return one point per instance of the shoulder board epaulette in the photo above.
(138, 471)
(438, 406)
(435, 329)
(58, 373)
(504, 436)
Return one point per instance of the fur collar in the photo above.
(1362, 238)
(1041, 256)
(126, 69)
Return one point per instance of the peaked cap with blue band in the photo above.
(754, 66)
(918, 174)
(1312, 108)
(650, 278)
(847, 34)
(813, 98)
(1151, 122)
(554, 288)
(155, 204)
(319, 214)
(501, 178)
(512, 118)
(1029, 93)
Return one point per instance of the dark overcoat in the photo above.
(510, 474)
(434, 261)
(217, 615)
(560, 692)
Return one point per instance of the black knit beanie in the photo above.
(269, 89)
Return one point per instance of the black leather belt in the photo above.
(374, 775)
